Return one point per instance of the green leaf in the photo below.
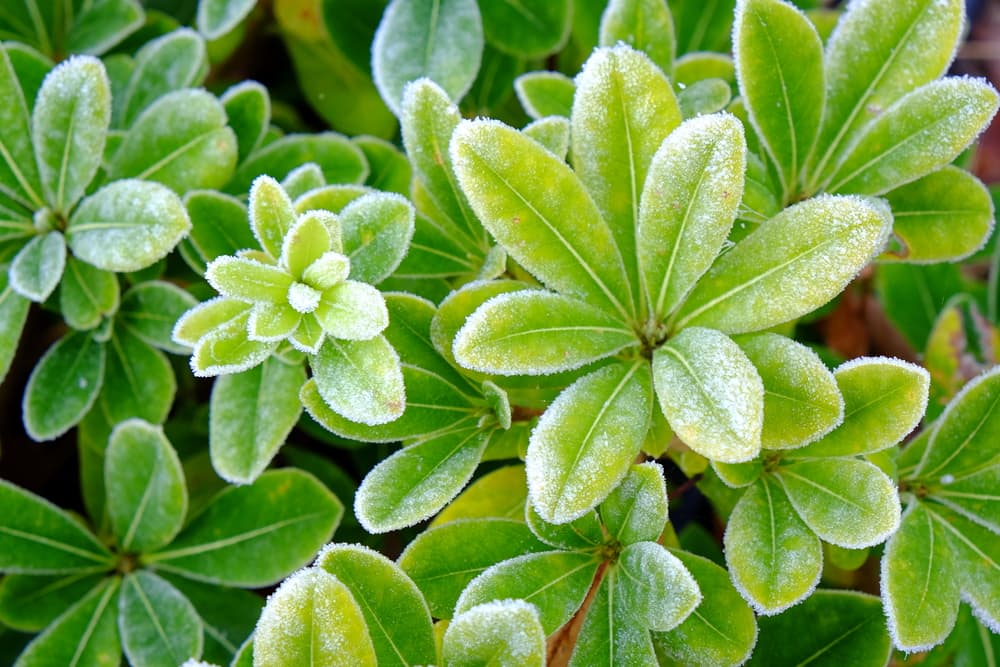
(830, 628)
(532, 332)
(251, 414)
(29, 603)
(623, 110)
(504, 633)
(920, 587)
(417, 481)
(774, 559)
(68, 129)
(584, 443)
(802, 401)
(966, 435)
(636, 510)
(101, 25)
(921, 132)
(138, 381)
(498, 494)
(645, 25)
(703, 27)
(655, 587)
(519, 191)
(171, 62)
(312, 619)
(254, 535)
(443, 560)
(159, 626)
(85, 635)
(913, 295)
(377, 229)
(63, 386)
(18, 171)
(688, 205)
(397, 617)
(360, 380)
(884, 399)
(556, 582)
(180, 140)
(146, 496)
(877, 54)
(944, 216)
(215, 18)
(792, 264)
(87, 294)
(38, 267)
(552, 132)
(976, 496)
(389, 169)
(541, 27)
(847, 502)
(545, 94)
(227, 348)
(459, 305)
(578, 535)
(720, 631)
(610, 634)
(149, 311)
(13, 314)
(711, 394)
(218, 224)
(976, 557)
(340, 160)
(109, 230)
(704, 97)
(440, 40)
(228, 616)
(36, 537)
(694, 67)
(779, 64)
(248, 112)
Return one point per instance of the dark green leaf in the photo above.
(63, 386)
(159, 626)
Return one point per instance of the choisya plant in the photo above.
(605, 299)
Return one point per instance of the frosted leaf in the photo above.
(271, 214)
(636, 510)
(552, 132)
(328, 270)
(304, 243)
(228, 349)
(655, 586)
(302, 179)
(312, 619)
(309, 336)
(159, 626)
(505, 633)
(203, 318)
(352, 311)
(272, 322)
(711, 394)
(248, 280)
(545, 94)
(303, 298)
(645, 25)
(216, 18)
(360, 380)
(38, 267)
(377, 228)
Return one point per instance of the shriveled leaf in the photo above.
(377, 229)
(443, 560)
(534, 332)
(150, 310)
(158, 625)
(791, 265)
(127, 225)
(583, 444)
(884, 399)
(215, 18)
(847, 502)
(645, 25)
(418, 480)
(171, 62)
(397, 617)
(711, 394)
(63, 386)
(440, 40)
(87, 294)
(656, 588)
(147, 499)
(636, 510)
(623, 110)
(542, 27)
(774, 559)
(505, 633)
(802, 401)
(556, 582)
(254, 535)
(340, 160)
(921, 132)
(38, 267)
(360, 380)
(545, 94)
(689, 202)
(30, 603)
(312, 619)
(68, 128)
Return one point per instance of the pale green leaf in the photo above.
(377, 229)
(693, 67)
(312, 620)
(586, 440)
(556, 582)
(552, 132)
(705, 97)
(711, 394)
(272, 214)
(774, 559)
(87, 294)
(545, 94)
(884, 399)
(802, 401)
(397, 617)
(68, 128)
(456, 308)
(688, 205)
(360, 380)
(438, 39)
(171, 62)
(504, 633)
(215, 18)
(611, 634)
(542, 27)
(127, 225)
(159, 627)
(250, 416)
(655, 587)
(249, 280)
(63, 386)
(498, 494)
(520, 192)
(976, 554)
(645, 25)
(38, 267)
(791, 265)
(254, 535)
(847, 502)
(636, 511)
(146, 495)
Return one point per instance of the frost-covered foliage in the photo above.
(575, 315)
